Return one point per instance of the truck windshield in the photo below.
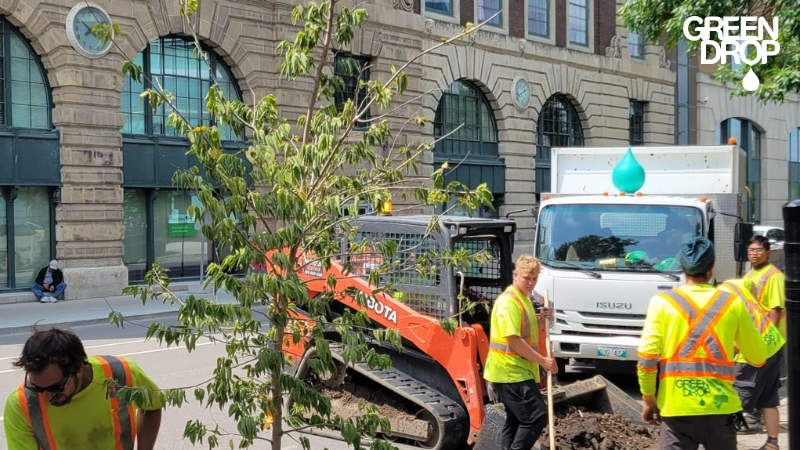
(615, 237)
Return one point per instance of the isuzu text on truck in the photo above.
(605, 253)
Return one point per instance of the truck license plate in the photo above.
(611, 352)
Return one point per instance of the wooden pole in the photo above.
(550, 416)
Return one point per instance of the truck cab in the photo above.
(606, 253)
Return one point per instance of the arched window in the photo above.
(30, 167)
(558, 126)
(156, 221)
(794, 164)
(748, 136)
(466, 133)
(174, 64)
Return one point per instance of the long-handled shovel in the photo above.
(550, 415)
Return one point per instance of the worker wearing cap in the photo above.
(769, 282)
(512, 366)
(688, 344)
(758, 386)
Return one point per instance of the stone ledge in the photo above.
(10, 298)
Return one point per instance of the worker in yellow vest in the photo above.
(758, 386)
(65, 404)
(688, 344)
(512, 366)
(769, 281)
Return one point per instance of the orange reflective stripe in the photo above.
(46, 422)
(763, 281)
(757, 313)
(114, 404)
(23, 405)
(131, 410)
(23, 402)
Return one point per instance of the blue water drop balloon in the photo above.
(628, 174)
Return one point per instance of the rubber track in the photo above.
(452, 419)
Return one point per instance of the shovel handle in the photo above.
(550, 415)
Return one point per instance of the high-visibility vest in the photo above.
(762, 281)
(527, 330)
(757, 313)
(34, 407)
(760, 317)
(503, 364)
(683, 363)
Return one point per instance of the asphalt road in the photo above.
(169, 368)
(175, 367)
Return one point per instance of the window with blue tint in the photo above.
(558, 126)
(794, 164)
(25, 97)
(175, 65)
(539, 18)
(636, 45)
(487, 9)
(748, 137)
(579, 22)
(466, 138)
(439, 6)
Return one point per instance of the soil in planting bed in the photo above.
(578, 430)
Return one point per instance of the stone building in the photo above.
(86, 169)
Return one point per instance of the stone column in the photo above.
(89, 227)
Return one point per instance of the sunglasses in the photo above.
(57, 388)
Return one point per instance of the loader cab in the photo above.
(417, 269)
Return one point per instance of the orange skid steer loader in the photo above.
(434, 393)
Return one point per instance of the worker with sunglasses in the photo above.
(65, 401)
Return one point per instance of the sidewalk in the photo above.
(20, 317)
(755, 441)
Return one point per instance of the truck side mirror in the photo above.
(742, 232)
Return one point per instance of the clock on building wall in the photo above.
(521, 92)
(80, 22)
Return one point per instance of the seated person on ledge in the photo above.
(49, 283)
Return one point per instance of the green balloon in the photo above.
(628, 175)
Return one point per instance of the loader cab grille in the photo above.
(402, 266)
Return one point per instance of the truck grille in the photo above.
(598, 315)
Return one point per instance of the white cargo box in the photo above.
(675, 170)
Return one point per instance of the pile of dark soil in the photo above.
(576, 430)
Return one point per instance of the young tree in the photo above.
(280, 204)
(780, 76)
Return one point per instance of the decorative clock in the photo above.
(521, 92)
(81, 21)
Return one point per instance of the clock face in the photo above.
(522, 93)
(81, 27)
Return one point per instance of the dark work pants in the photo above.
(688, 432)
(526, 414)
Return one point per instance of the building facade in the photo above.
(86, 167)
(769, 135)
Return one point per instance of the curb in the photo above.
(86, 322)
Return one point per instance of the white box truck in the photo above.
(604, 254)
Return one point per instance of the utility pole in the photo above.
(791, 248)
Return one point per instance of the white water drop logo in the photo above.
(750, 81)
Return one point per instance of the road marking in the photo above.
(164, 349)
(112, 344)
(201, 344)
